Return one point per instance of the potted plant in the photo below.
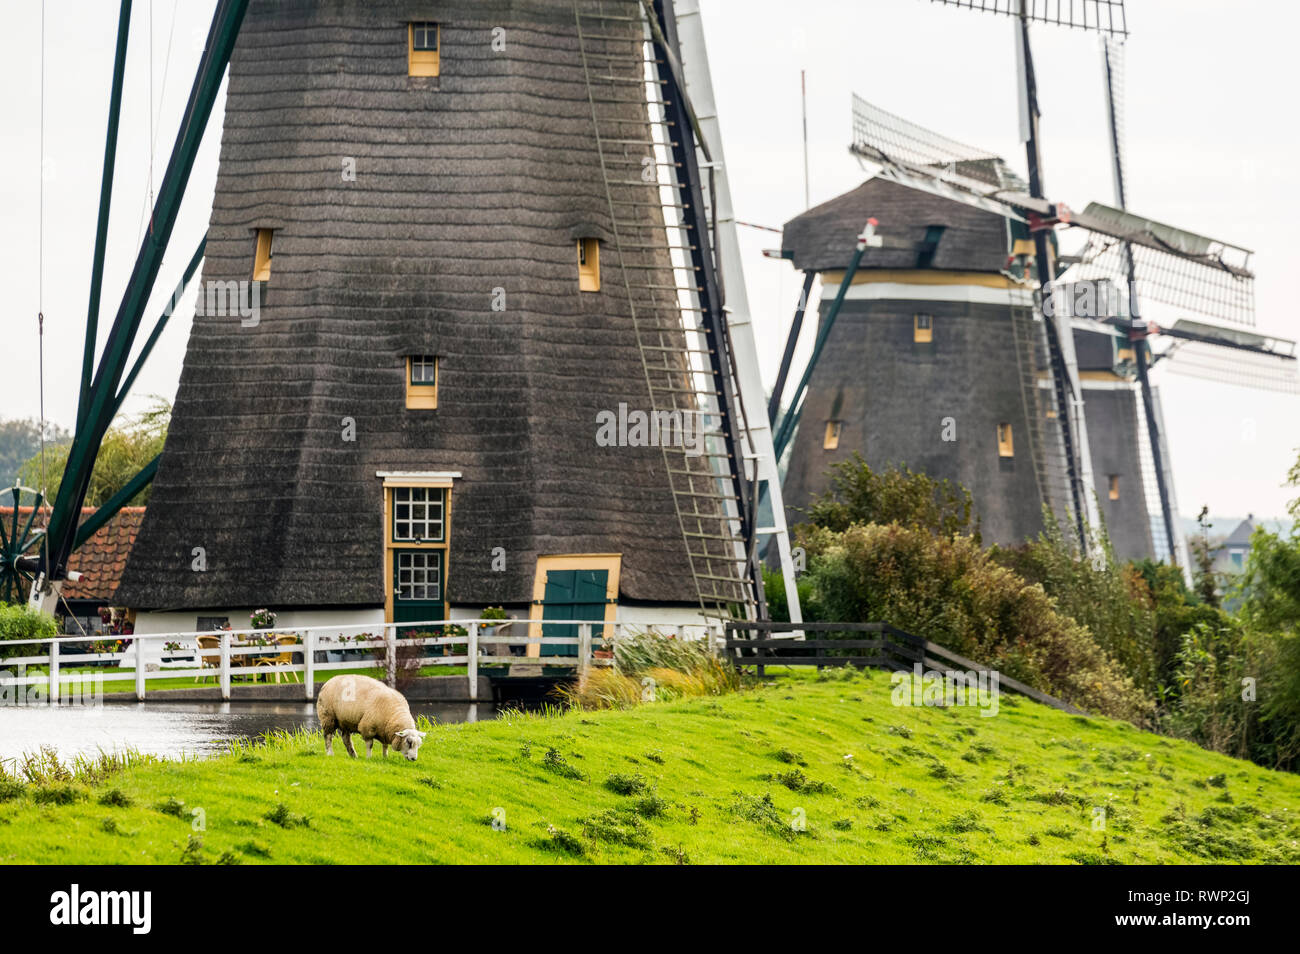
(489, 631)
(171, 652)
(455, 649)
(261, 618)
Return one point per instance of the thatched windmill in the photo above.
(1049, 406)
(480, 354)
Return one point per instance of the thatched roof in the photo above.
(823, 238)
(475, 180)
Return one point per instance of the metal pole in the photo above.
(803, 96)
(785, 432)
(792, 339)
(1141, 351)
(105, 202)
(1043, 264)
(103, 391)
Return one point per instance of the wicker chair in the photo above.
(284, 658)
(208, 659)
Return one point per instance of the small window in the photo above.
(1113, 493)
(418, 514)
(422, 381)
(588, 264)
(922, 328)
(832, 438)
(262, 256)
(1006, 447)
(422, 58)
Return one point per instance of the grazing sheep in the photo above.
(348, 704)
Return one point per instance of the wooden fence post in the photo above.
(584, 651)
(309, 664)
(473, 661)
(225, 666)
(390, 638)
(139, 668)
(54, 672)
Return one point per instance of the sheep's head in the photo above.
(407, 743)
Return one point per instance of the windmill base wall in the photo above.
(895, 397)
(1113, 439)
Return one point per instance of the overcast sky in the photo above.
(1211, 122)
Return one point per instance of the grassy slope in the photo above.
(924, 785)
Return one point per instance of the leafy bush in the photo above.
(19, 622)
(859, 495)
(956, 594)
(1111, 599)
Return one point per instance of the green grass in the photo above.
(702, 780)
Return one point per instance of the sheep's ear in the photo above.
(420, 734)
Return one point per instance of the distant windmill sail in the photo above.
(1104, 16)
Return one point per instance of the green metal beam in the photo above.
(785, 432)
(105, 201)
(160, 325)
(66, 512)
(115, 503)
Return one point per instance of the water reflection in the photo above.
(174, 729)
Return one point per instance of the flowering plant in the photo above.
(262, 618)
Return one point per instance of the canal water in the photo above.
(174, 729)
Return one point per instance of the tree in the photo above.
(127, 447)
(1203, 572)
(20, 440)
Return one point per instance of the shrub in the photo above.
(19, 622)
(860, 495)
(1111, 599)
(954, 593)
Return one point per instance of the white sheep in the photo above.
(348, 704)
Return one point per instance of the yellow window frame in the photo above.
(422, 395)
(831, 440)
(1006, 441)
(611, 562)
(588, 264)
(423, 62)
(262, 255)
(391, 545)
(922, 334)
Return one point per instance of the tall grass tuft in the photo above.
(45, 768)
(649, 667)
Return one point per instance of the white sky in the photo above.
(1210, 117)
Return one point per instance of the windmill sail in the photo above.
(1104, 16)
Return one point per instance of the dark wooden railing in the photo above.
(753, 644)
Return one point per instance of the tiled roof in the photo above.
(102, 558)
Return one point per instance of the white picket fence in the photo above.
(147, 659)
